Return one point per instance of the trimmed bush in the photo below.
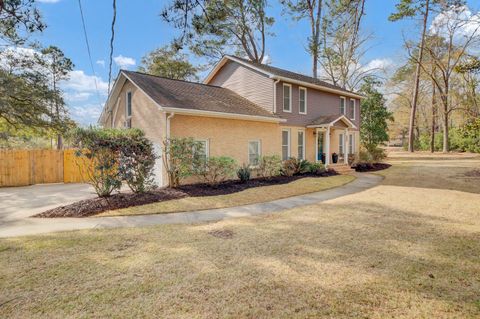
(269, 166)
(316, 168)
(244, 173)
(289, 167)
(181, 158)
(217, 169)
(116, 155)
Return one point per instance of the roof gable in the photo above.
(287, 76)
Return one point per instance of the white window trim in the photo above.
(300, 88)
(289, 149)
(290, 99)
(351, 144)
(126, 105)
(344, 104)
(341, 145)
(354, 108)
(303, 143)
(259, 151)
(207, 145)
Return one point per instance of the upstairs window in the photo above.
(287, 98)
(342, 105)
(352, 109)
(302, 96)
(253, 152)
(128, 105)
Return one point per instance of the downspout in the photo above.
(167, 133)
(275, 95)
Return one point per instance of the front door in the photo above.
(320, 156)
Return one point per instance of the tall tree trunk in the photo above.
(434, 114)
(446, 146)
(411, 137)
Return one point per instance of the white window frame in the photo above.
(301, 88)
(303, 143)
(351, 143)
(344, 105)
(207, 146)
(127, 116)
(341, 146)
(289, 145)
(259, 151)
(290, 98)
(354, 108)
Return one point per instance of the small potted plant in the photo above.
(334, 158)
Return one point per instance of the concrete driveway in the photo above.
(17, 203)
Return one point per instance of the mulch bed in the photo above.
(371, 167)
(94, 206)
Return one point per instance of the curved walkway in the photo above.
(31, 226)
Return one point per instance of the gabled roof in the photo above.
(194, 98)
(288, 76)
(329, 120)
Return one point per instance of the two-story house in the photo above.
(243, 110)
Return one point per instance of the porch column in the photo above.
(346, 140)
(327, 147)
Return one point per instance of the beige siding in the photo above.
(246, 82)
(228, 137)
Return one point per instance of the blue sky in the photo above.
(139, 29)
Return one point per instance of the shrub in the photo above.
(217, 169)
(244, 173)
(316, 168)
(290, 166)
(137, 160)
(102, 147)
(180, 158)
(372, 156)
(294, 166)
(269, 166)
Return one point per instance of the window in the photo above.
(285, 144)
(301, 145)
(342, 105)
(341, 144)
(287, 98)
(254, 152)
(128, 106)
(302, 96)
(351, 144)
(202, 152)
(352, 109)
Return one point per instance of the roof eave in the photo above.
(194, 112)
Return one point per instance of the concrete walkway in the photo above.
(21, 225)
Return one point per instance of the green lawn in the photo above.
(248, 196)
(398, 250)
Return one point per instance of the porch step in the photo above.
(342, 169)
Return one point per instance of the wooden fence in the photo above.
(28, 167)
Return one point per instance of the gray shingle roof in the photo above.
(195, 96)
(325, 119)
(292, 75)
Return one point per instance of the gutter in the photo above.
(236, 116)
(167, 133)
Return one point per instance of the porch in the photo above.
(334, 140)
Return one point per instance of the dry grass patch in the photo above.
(387, 252)
(248, 196)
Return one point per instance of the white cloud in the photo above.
(77, 96)
(379, 65)
(124, 62)
(267, 60)
(462, 20)
(86, 114)
(101, 62)
(81, 82)
(48, 1)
